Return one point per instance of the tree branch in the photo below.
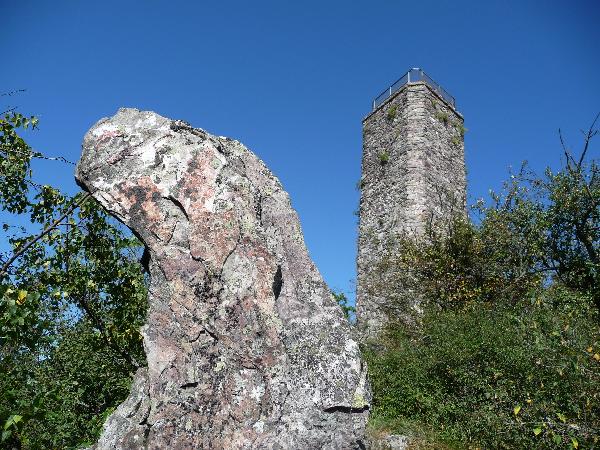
(52, 226)
(11, 93)
(32, 153)
(39, 155)
(588, 137)
(565, 150)
(99, 324)
(9, 110)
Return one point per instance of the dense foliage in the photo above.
(493, 376)
(72, 300)
(506, 350)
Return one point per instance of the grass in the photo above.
(384, 158)
(391, 114)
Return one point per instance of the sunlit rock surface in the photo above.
(246, 348)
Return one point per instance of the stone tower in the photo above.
(413, 176)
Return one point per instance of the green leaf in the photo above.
(5, 435)
(21, 296)
(12, 420)
(537, 431)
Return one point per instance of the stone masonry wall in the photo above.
(413, 175)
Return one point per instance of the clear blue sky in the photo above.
(292, 81)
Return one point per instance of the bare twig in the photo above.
(566, 151)
(39, 155)
(575, 167)
(9, 110)
(11, 93)
(589, 134)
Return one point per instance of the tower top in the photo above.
(414, 75)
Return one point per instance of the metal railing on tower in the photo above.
(413, 76)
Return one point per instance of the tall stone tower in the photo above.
(413, 176)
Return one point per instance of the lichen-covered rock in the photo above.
(246, 348)
(388, 442)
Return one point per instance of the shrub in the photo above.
(510, 376)
(462, 263)
(391, 114)
(348, 310)
(442, 117)
(74, 390)
(461, 129)
(384, 157)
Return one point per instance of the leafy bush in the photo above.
(463, 263)
(504, 376)
(65, 399)
(461, 128)
(348, 310)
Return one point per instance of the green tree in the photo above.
(347, 308)
(72, 300)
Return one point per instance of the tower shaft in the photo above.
(413, 177)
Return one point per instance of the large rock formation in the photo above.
(246, 347)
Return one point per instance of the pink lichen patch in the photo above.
(216, 232)
(108, 135)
